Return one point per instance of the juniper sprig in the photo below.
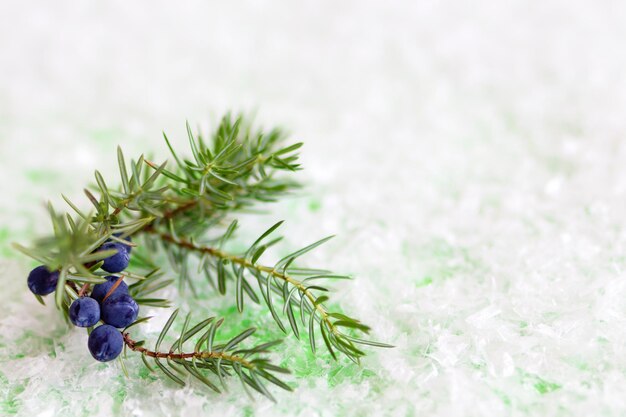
(185, 210)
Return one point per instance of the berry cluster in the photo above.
(109, 302)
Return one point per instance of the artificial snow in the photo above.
(469, 156)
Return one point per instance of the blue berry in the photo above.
(100, 290)
(126, 238)
(84, 312)
(117, 262)
(105, 343)
(119, 310)
(41, 281)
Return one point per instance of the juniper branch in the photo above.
(246, 263)
(308, 302)
(132, 345)
(217, 358)
(177, 204)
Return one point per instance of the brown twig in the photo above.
(170, 214)
(132, 345)
(83, 290)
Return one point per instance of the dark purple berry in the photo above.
(105, 343)
(41, 281)
(119, 310)
(100, 290)
(126, 238)
(119, 261)
(84, 312)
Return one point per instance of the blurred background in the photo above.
(469, 155)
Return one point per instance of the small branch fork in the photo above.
(132, 345)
